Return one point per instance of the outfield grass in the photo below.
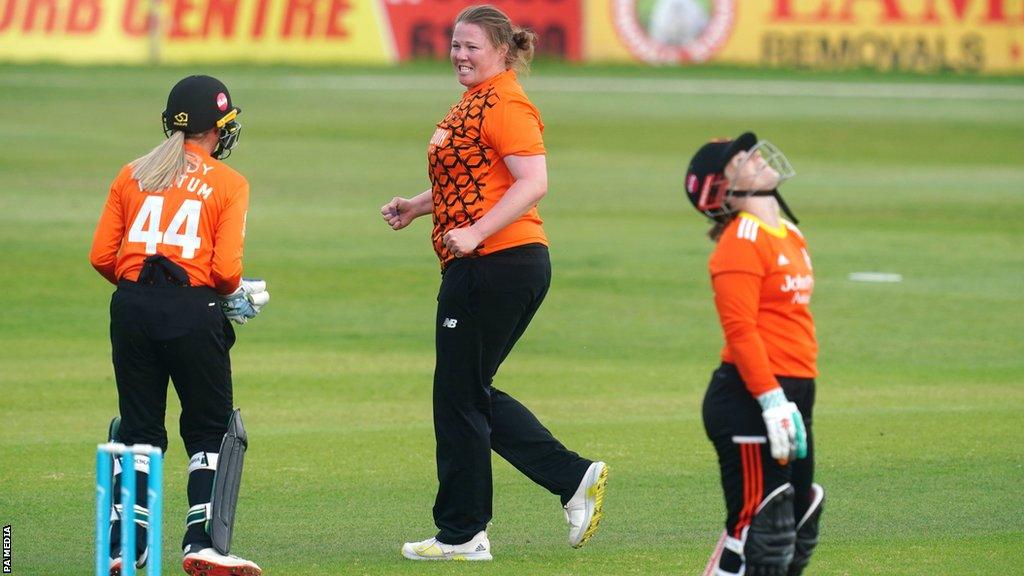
(921, 394)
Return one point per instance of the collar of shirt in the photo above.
(778, 232)
(499, 77)
(191, 146)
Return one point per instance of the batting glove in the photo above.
(787, 435)
(255, 290)
(245, 303)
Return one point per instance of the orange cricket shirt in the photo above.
(198, 223)
(465, 163)
(763, 280)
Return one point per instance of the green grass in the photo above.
(922, 383)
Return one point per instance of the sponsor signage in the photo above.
(192, 30)
(969, 36)
(962, 36)
(894, 35)
(673, 31)
(423, 28)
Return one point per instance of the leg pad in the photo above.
(807, 532)
(226, 482)
(771, 537)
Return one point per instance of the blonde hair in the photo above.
(164, 164)
(520, 41)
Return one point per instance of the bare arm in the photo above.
(400, 212)
(531, 184)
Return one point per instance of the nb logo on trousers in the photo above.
(449, 322)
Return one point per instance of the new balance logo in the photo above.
(449, 322)
(783, 261)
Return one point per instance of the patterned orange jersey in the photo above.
(199, 223)
(493, 120)
(763, 282)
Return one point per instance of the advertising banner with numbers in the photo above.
(966, 36)
(423, 28)
(261, 30)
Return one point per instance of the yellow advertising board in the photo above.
(194, 31)
(972, 36)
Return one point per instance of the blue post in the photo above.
(103, 503)
(128, 515)
(155, 496)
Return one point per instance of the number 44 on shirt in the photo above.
(182, 231)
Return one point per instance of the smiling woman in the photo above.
(484, 44)
(488, 171)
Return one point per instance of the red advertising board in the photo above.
(423, 28)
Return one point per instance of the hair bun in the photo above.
(522, 39)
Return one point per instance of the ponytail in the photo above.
(719, 226)
(164, 164)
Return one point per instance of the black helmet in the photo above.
(708, 188)
(199, 103)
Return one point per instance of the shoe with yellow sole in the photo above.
(584, 509)
(479, 548)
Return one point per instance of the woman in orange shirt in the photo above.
(487, 169)
(170, 238)
(758, 406)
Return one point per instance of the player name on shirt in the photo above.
(201, 189)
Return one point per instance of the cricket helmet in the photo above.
(200, 103)
(707, 186)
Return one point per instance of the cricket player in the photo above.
(759, 404)
(170, 238)
(488, 171)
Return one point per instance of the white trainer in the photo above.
(583, 512)
(479, 548)
(208, 562)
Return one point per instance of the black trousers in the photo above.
(483, 307)
(166, 332)
(733, 422)
(178, 333)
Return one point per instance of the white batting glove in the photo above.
(237, 307)
(245, 303)
(787, 436)
(255, 290)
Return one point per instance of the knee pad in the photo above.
(770, 539)
(807, 532)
